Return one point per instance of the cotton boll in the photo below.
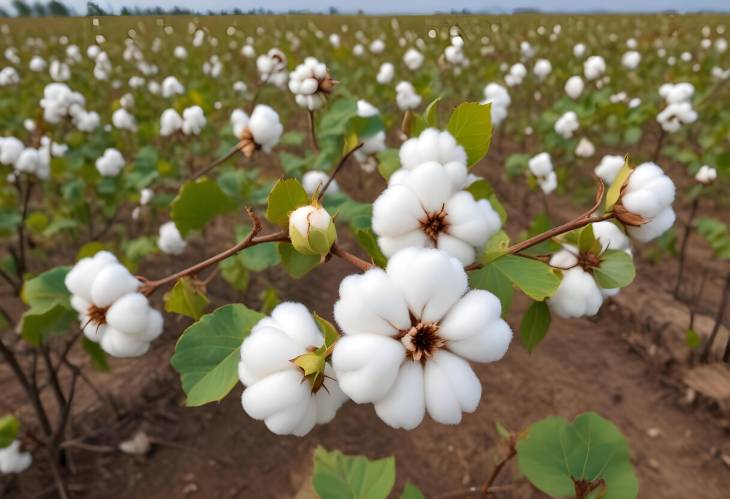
(574, 87)
(385, 73)
(585, 148)
(540, 165)
(171, 87)
(405, 403)
(431, 145)
(542, 68)
(631, 59)
(594, 67)
(567, 124)
(315, 180)
(110, 163)
(611, 237)
(12, 460)
(706, 175)
(122, 119)
(10, 150)
(193, 120)
(118, 344)
(265, 126)
(406, 96)
(609, 167)
(169, 240)
(577, 296)
(111, 283)
(170, 122)
(128, 314)
(654, 228)
(413, 59)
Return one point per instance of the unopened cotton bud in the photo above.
(312, 230)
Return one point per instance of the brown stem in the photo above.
(15, 285)
(685, 240)
(718, 321)
(659, 143)
(312, 132)
(53, 379)
(217, 162)
(22, 266)
(584, 488)
(486, 488)
(350, 258)
(338, 168)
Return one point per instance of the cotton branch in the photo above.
(337, 169)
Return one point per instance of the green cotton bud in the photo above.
(312, 230)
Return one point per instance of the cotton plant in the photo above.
(310, 83)
(260, 131)
(409, 332)
(169, 239)
(112, 311)
(13, 460)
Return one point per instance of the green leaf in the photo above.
(632, 135)
(495, 247)
(47, 290)
(410, 491)
(431, 112)
(692, 339)
(269, 300)
(480, 189)
(187, 298)
(295, 263)
(9, 429)
(494, 281)
(418, 124)
(235, 273)
(39, 324)
(388, 162)
(471, 125)
(614, 192)
(369, 242)
(337, 476)
(328, 330)
(197, 203)
(535, 278)
(9, 221)
(286, 196)
(534, 325)
(207, 353)
(96, 354)
(555, 453)
(615, 271)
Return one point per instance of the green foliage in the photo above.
(692, 339)
(556, 453)
(388, 162)
(187, 297)
(471, 125)
(9, 429)
(96, 354)
(614, 191)
(50, 311)
(534, 278)
(716, 234)
(295, 263)
(368, 241)
(410, 491)
(337, 476)
(286, 196)
(197, 203)
(615, 271)
(534, 325)
(207, 354)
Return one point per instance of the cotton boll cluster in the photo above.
(12, 460)
(679, 109)
(574, 87)
(648, 195)
(454, 53)
(60, 102)
(675, 93)
(385, 73)
(9, 76)
(315, 180)
(193, 120)
(567, 124)
(413, 59)
(213, 67)
(406, 96)
(705, 175)
(541, 166)
(542, 68)
(311, 83)
(517, 73)
(631, 59)
(262, 130)
(111, 310)
(500, 100)
(272, 68)
(169, 239)
(110, 163)
(10, 150)
(409, 332)
(276, 390)
(102, 66)
(585, 148)
(171, 87)
(124, 120)
(609, 167)
(425, 204)
(594, 67)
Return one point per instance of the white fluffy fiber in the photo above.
(650, 194)
(609, 167)
(431, 145)
(276, 392)
(500, 99)
(12, 460)
(372, 366)
(385, 73)
(542, 68)
(193, 120)
(594, 67)
(567, 124)
(264, 124)
(170, 122)
(171, 87)
(406, 96)
(304, 83)
(574, 87)
(315, 179)
(110, 163)
(306, 217)
(130, 323)
(705, 175)
(413, 59)
(169, 239)
(123, 120)
(541, 166)
(272, 68)
(585, 148)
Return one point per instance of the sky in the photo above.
(416, 7)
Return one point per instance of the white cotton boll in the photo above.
(385, 73)
(87, 121)
(405, 404)
(585, 148)
(396, 211)
(609, 167)
(371, 145)
(540, 165)
(611, 237)
(12, 460)
(129, 314)
(431, 184)
(169, 240)
(334, 39)
(675, 115)
(59, 71)
(28, 161)
(121, 345)
(240, 87)
(123, 119)
(655, 227)
(297, 322)
(577, 296)
(265, 127)
(309, 217)
(111, 283)
(706, 175)
(37, 64)
(677, 93)
(171, 87)
(406, 96)
(81, 277)
(265, 351)
(170, 122)
(574, 87)
(451, 388)
(367, 365)
(431, 145)
(567, 124)
(239, 121)
(110, 163)
(579, 50)
(471, 221)
(180, 52)
(594, 67)
(281, 393)
(10, 150)
(413, 59)
(315, 180)
(631, 59)
(648, 191)
(548, 183)
(542, 68)
(377, 46)
(193, 120)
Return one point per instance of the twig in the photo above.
(685, 240)
(718, 321)
(659, 143)
(338, 168)
(217, 162)
(22, 267)
(312, 132)
(350, 258)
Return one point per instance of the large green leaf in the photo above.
(47, 289)
(534, 325)
(535, 278)
(337, 476)
(471, 125)
(187, 298)
(96, 354)
(555, 453)
(37, 325)
(207, 354)
(615, 271)
(494, 281)
(197, 203)
(9, 428)
(286, 196)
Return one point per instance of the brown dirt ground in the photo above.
(218, 451)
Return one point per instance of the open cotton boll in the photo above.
(170, 122)
(265, 126)
(542, 68)
(577, 296)
(498, 96)
(574, 87)
(675, 93)
(193, 120)
(171, 87)
(548, 183)
(567, 124)
(609, 167)
(169, 240)
(413, 59)
(594, 67)
(315, 179)
(276, 390)
(611, 237)
(649, 193)
(385, 73)
(431, 145)
(706, 175)
(540, 165)
(110, 163)
(123, 119)
(585, 148)
(12, 460)
(111, 283)
(406, 96)
(406, 333)
(10, 150)
(672, 117)
(239, 121)
(631, 59)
